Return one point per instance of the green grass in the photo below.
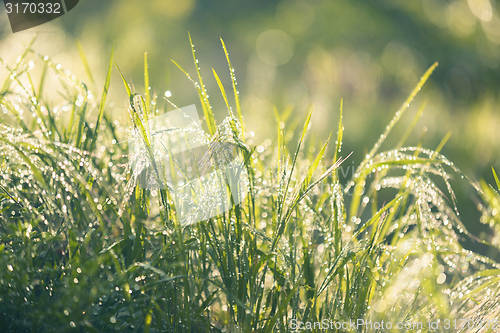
(84, 249)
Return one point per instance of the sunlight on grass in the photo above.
(82, 245)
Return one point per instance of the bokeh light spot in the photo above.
(482, 9)
(275, 47)
(174, 9)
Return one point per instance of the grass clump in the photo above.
(83, 247)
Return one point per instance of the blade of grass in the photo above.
(235, 89)
(414, 122)
(103, 100)
(207, 109)
(340, 132)
(496, 178)
(270, 324)
(146, 85)
(42, 79)
(443, 142)
(208, 114)
(85, 63)
(402, 109)
(127, 86)
(294, 162)
(223, 92)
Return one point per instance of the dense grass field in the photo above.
(84, 248)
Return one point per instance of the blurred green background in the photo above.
(297, 52)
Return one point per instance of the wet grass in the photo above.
(83, 248)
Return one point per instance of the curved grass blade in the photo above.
(103, 100)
